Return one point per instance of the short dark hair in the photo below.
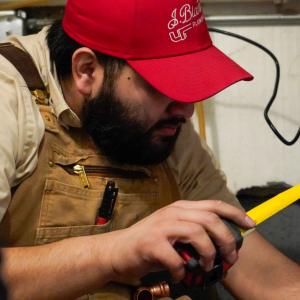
(62, 47)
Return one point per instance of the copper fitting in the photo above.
(153, 292)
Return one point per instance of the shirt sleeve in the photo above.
(20, 132)
(196, 171)
(8, 140)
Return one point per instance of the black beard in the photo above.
(121, 137)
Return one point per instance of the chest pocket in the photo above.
(73, 194)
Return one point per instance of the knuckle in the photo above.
(231, 241)
(218, 203)
(196, 231)
(237, 212)
(210, 255)
(196, 236)
(212, 219)
(227, 243)
(228, 248)
(209, 252)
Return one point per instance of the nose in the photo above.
(181, 109)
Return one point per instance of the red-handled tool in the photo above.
(195, 275)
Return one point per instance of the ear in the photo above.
(87, 72)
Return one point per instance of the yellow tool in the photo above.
(269, 208)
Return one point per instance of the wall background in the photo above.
(248, 151)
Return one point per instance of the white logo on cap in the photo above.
(184, 19)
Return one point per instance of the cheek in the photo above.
(139, 108)
(126, 88)
(144, 103)
(128, 94)
(152, 116)
(155, 111)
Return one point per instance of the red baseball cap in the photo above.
(166, 42)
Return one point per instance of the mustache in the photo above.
(174, 121)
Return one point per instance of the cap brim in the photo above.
(191, 77)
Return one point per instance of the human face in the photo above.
(134, 123)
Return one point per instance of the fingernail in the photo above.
(250, 222)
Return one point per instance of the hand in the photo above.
(147, 246)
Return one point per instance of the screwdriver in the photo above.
(259, 214)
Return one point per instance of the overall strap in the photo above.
(24, 63)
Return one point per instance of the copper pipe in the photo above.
(153, 292)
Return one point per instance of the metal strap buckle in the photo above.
(41, 96)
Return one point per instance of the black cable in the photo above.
(276, 84)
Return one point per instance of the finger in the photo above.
(167, 256)
(222, 236)
(220, 208)
(194, 234)
(207, 225)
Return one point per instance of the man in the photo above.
(122, 77)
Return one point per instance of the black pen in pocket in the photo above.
(108, 203)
